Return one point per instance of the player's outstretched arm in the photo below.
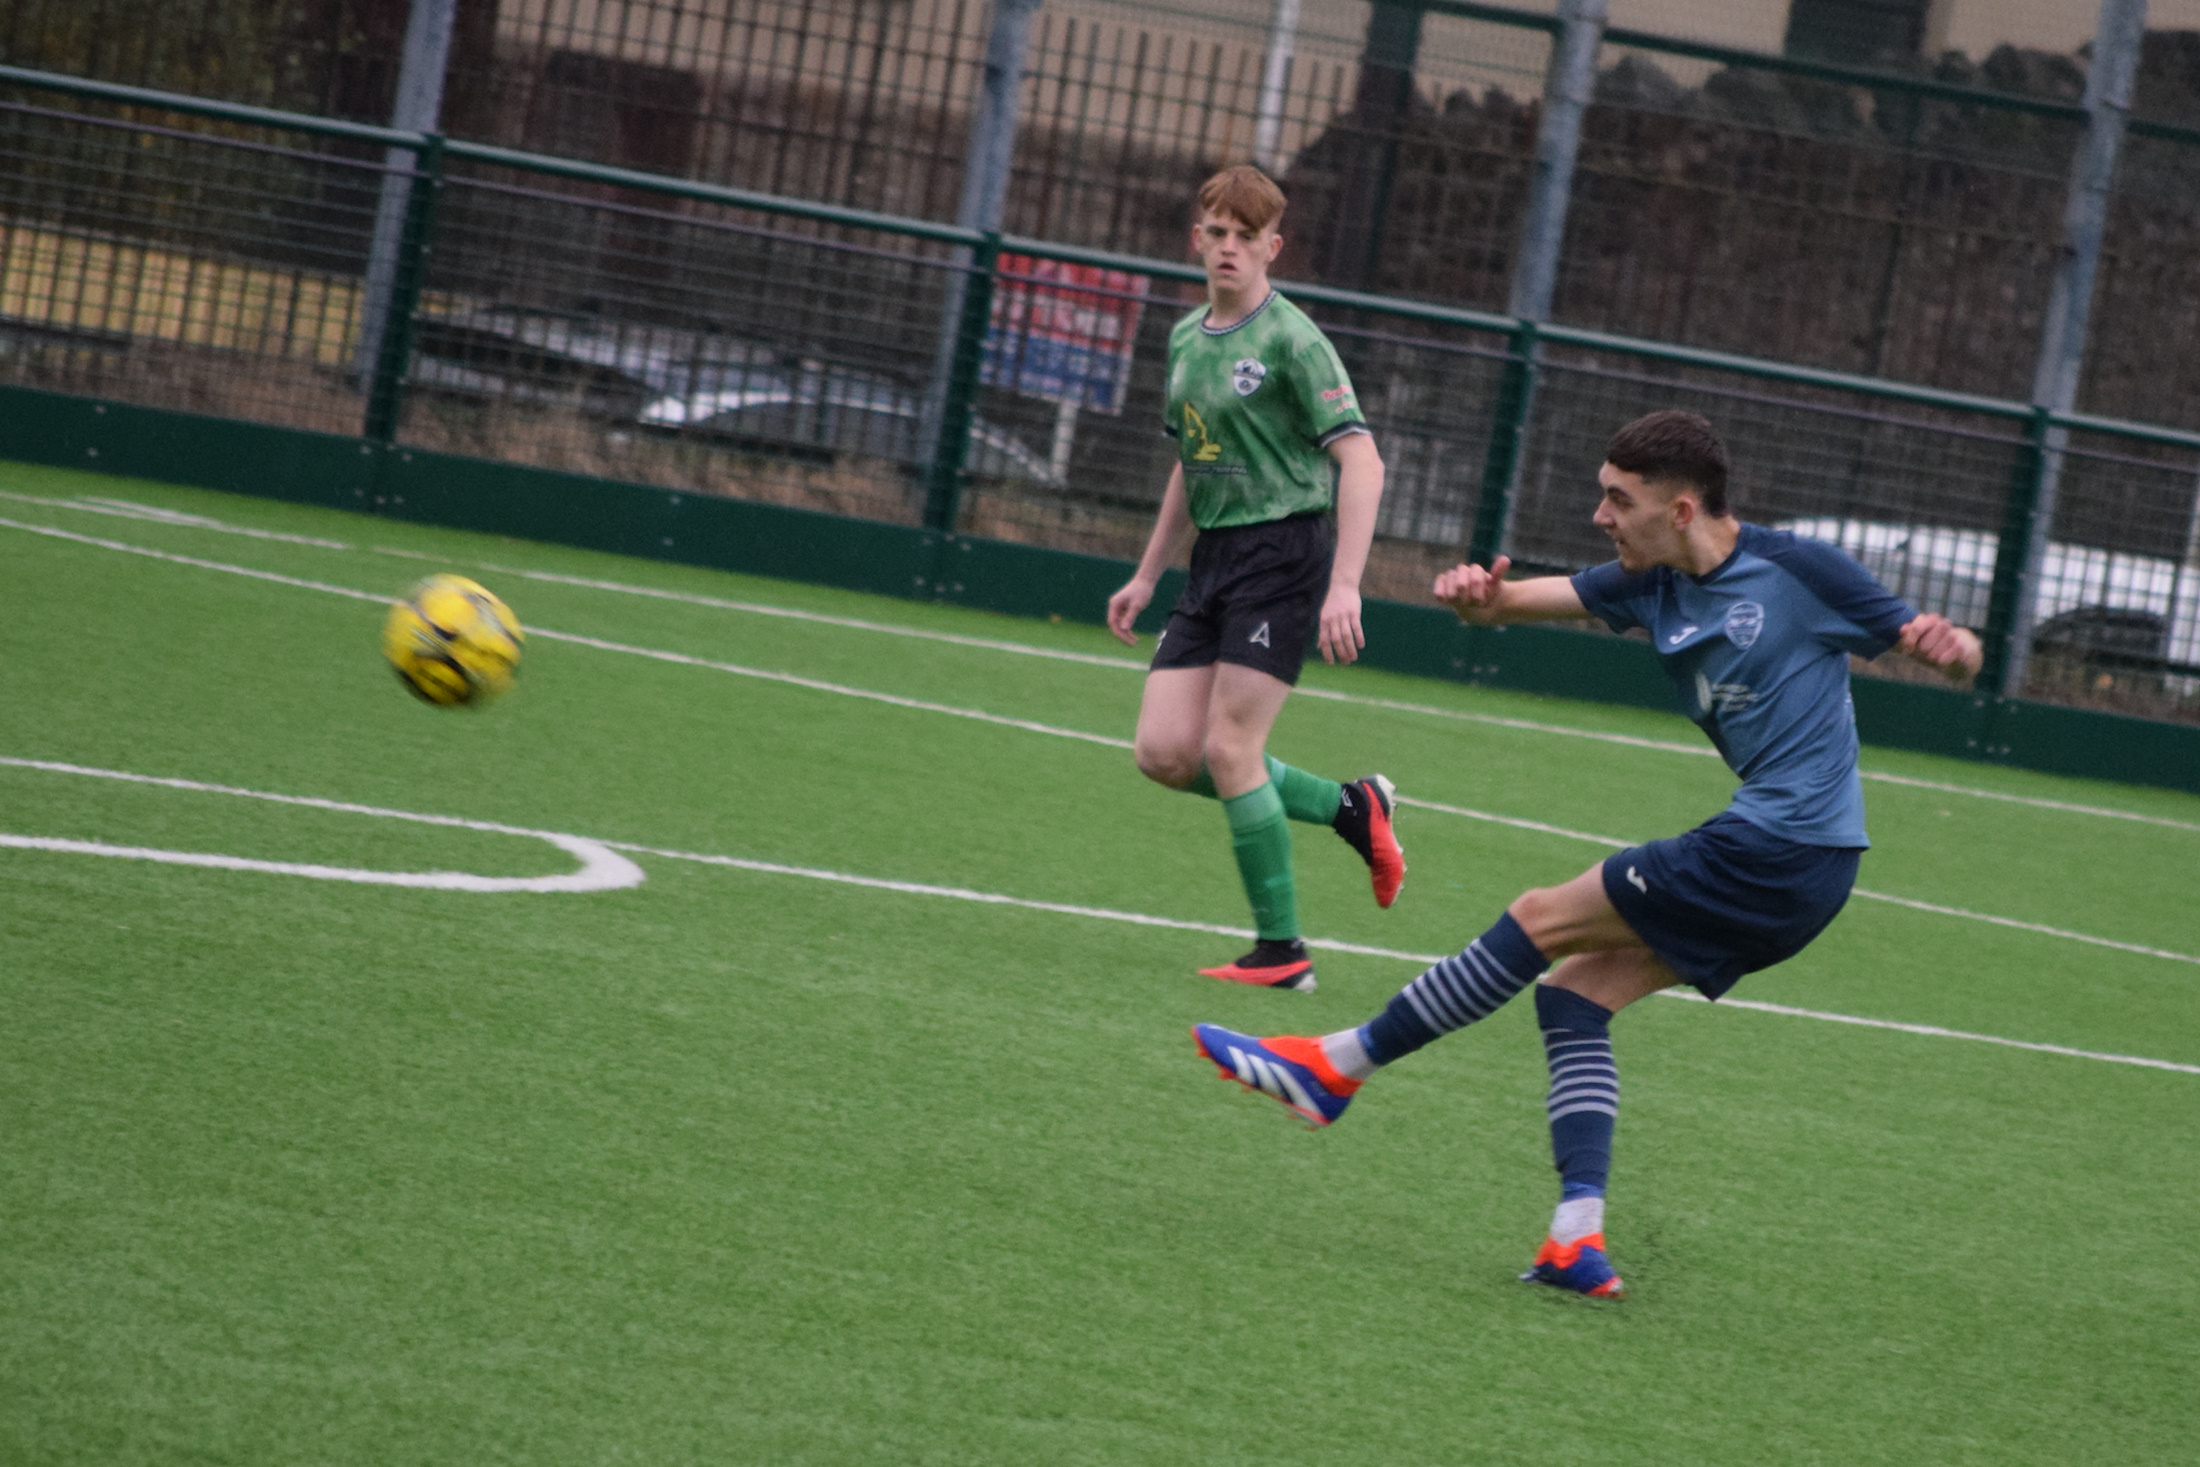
(1486, 598)
(1172, 531)
(1359, 491)
(1937, 642)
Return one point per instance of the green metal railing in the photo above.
(1487, 460)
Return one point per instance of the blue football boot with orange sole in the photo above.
(1287, 1068)
(1579, 1266)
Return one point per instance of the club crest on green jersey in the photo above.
(1246, 375)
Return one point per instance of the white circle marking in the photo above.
(601, 869)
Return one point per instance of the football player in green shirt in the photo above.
(1265, 422)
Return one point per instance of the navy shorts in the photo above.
(1728, 898)
(1254, 597)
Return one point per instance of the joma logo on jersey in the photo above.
(1246, 375)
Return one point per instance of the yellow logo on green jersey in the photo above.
(1204, 449)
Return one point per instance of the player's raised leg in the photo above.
(1171, 751)
(1605, 968)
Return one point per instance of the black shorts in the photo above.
(1254, 597)
(1728, 898)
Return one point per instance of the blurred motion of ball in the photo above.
(453, 642)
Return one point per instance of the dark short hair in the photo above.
(1674, 447)
(1245, 193)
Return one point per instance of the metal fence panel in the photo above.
(1427, 389)
(681, 343)
(2146, 301)
(2119, 601)
(211, 269)
(1918, 495)
(650, 331)
(1877, 233)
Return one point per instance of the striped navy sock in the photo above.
(1584, 1103)
(1455, 992)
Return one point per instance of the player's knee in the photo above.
(1231, 749)
(1167, 764)
(1539, 913)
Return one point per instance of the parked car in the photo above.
(2110, 609)
(695, 383)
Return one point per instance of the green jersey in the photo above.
(1254, 408)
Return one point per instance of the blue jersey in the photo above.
(1759, 650)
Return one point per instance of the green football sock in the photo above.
(1261, 837)
(1306, 797)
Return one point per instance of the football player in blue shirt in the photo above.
(1755, 627)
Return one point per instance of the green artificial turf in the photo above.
(735, 1166)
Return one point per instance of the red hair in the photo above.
(1245, 193)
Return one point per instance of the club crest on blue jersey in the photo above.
(1743, 622)
(1246, 375)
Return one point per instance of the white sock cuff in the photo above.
(1581, 1218)
(1344, 1050)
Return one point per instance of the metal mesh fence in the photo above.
(1427, 388)
(1885, 234)
(667, 335)
(685, 344)
(2146, 304)
(1921, 497)
(216, 270)
(1872, 229)
(1917, 495)
(2117, 624)
(863, 104)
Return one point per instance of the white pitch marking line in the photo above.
(2034, 801)
(2128, 947)
(1878, 896)
(150, 512)
(844, 691)
(192, 560)
(1934, 1031)
(599, 643)
(130, 509)
(966, 894)
(602, 868)
(596, 873)
(1141, 919)
(599, 857)
(758, 608)
(1514, 821)
(1527, 725)
(1030, 726)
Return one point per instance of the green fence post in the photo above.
(1501, 465)
(2012, 553)
(959, 405)
(386, 394)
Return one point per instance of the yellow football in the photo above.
(453, 643)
